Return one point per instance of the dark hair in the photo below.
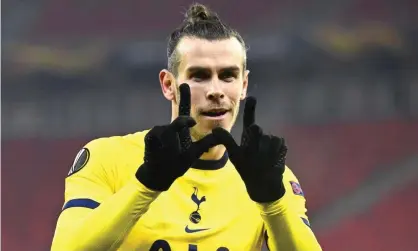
(199, 22)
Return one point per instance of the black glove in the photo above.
(260, 159)
(169, 150)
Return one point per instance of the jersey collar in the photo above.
(211, 164)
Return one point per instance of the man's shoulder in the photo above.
(291, 182)
(118, 143)
(110, 153)
(288, 174)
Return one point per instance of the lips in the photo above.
(215, 112)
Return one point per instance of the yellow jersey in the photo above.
(208, 208)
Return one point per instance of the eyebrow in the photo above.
(224, 69)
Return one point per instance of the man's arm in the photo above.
(286, 221)
(94, 217)
(169, 152)
(260, 161)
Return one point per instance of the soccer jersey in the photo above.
(208, 208)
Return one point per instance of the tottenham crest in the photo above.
(195, 215)
(80, 161)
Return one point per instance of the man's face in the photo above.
(215, 74)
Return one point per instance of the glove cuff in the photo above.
(266, 193)
(152, 180)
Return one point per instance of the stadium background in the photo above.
(337, 78)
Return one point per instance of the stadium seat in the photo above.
(121, 19)
(332, 160)
(387, 226)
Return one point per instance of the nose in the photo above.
(215, 92)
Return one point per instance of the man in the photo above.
(188, 185)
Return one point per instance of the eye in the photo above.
(228, 76)
(200, 76)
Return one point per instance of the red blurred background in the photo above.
(337, 79)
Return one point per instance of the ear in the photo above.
(244, 85)
(168, 84)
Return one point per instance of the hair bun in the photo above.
(198, 12)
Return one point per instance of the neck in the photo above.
(215, 153)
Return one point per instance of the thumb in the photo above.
(222, 136)
(182, 122)
(249, 111)
(203, 145)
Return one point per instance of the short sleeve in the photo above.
(89, 181)
(294, 196)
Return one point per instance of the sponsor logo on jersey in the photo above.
(80, 161)
(189, 231)
(296, 188)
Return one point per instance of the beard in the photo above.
(198, 133)
(204, 128)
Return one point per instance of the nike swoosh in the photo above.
(188, 230)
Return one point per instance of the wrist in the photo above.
(266, 192)
(143, 190)
(152, 179)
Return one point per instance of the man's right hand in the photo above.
(169, 150)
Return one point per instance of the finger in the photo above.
(249, 111)
(255, 131)
(265, 144)
(251, 134)
(182, 122)
(250, 140)
(278, 149)
(185, 138)
(185, 100)
(203, 145)
(152, 138)
(276, 144)
(170, 140)
(180, 127)
(222, 136)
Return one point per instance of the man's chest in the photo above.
(193, 216)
